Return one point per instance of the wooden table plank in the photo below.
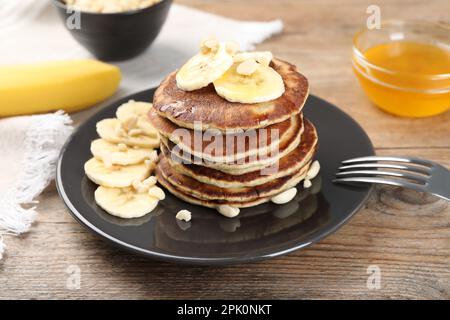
(405, 234)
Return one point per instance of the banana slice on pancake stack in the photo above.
(250, 79)
(244, 77)
(124, 158)
(206, 67)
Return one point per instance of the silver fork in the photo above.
(408, 172)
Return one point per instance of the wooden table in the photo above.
(405, 234)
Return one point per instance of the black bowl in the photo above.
(115, 36)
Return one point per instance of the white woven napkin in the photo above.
(29, 149)
(31, 31)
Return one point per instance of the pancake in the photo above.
(287, 165)
(206, 107)
(216, 146)
(205, 203)
(241, 166)
(205, 191)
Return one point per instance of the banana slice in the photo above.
(133, 108)
(261, 85)
(204, 68)
(118, 153)
(112, 131)
(140, 110)
(262, 57)
(114, 175)
(146, 126)
(125, 202)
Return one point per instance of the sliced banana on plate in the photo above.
(125, 202)
(112, 131)
(250, 82)
(109, 175)
(146, 126)
(138, 112)
(262, 57)
(132, 107)
(120, 153)
(206, 67)
(123, 160)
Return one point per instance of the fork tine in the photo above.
(425, 171)
(391, 182)
(417, 178)
(392, 159)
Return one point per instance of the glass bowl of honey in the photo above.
(404, 67)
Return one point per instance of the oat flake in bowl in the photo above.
(109, 6)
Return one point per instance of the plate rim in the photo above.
(201, 261)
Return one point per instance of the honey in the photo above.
(406, 78)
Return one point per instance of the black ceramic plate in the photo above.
(261, 232)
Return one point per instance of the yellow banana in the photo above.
(68, 85)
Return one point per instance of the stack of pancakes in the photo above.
(260, 150)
